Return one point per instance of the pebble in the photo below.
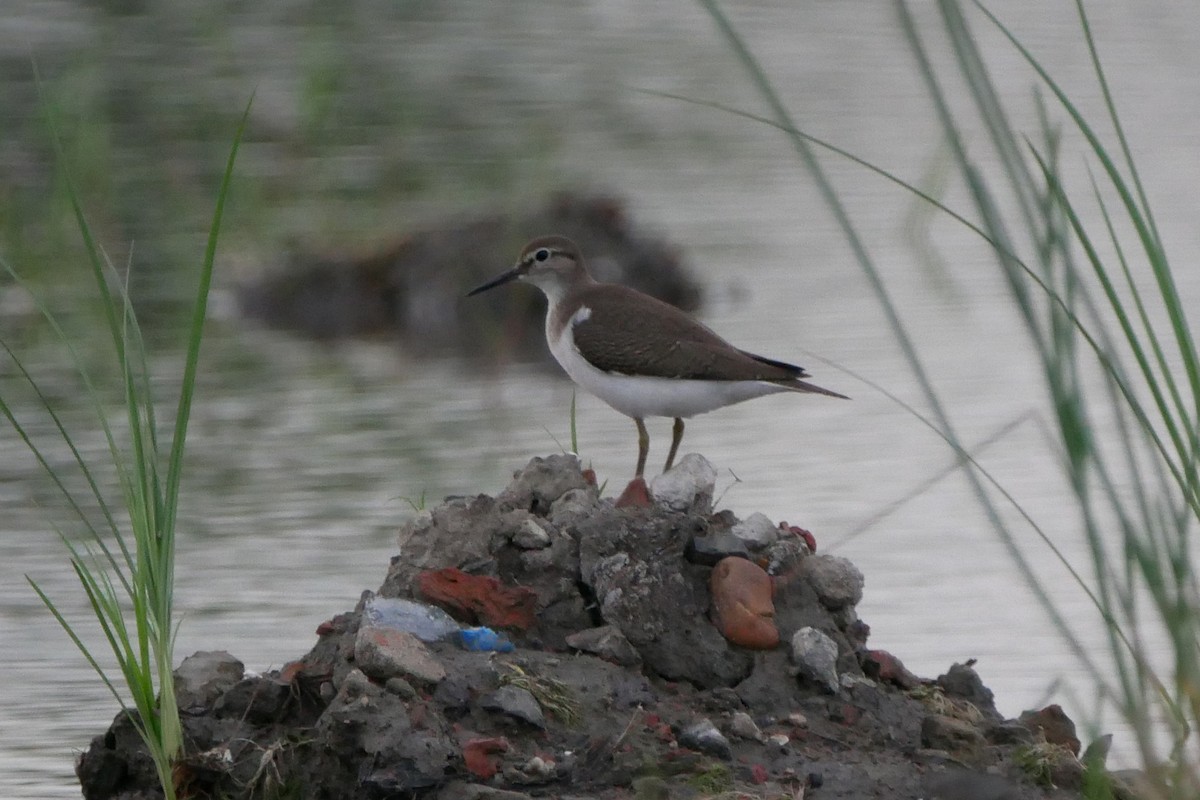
(709, 550)
(687, 486)
(837, 582)
(608, 642)
(816, 656)
(742, 725)
(778, 740)
(515, 702)
(743, 608)
(531, 536)
(386, 653)
(705, 737)
(757, 531)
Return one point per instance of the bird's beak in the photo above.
(499, 280)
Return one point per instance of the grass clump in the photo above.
(126, 563)
(1096, 295)
(552, 695)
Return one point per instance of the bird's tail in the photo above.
(809, 388)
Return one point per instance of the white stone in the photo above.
(688, 486)
(816, 656)
(757, 531)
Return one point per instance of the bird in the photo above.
(643, 357)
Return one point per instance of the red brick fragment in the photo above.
(477, 756)
(636, 495)
(479, 599)
(809, 540)
(882, 666)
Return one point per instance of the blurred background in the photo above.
(376, 121)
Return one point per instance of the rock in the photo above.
(955, 736)
(816, 656)
(479, 598)
(712, 547)
(742, 725)
(573, 503)
(634, 566)
(742, 604)
(882, 666)
(543, 481)
(756, 531)
(204, 676)
(257, 700)
(607, 642)
(962, 681)
(386, 653)
(687, 486)
(517, 703)
(531, 535)
(838, 582)
(784, 555)
(428, 623)
(378, 748)
(1054, 724)
(705, 737)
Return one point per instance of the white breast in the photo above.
(639, 396)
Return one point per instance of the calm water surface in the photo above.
(303, 460)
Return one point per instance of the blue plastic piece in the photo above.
(484, 639)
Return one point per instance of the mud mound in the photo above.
(546, 643)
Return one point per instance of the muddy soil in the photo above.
(546, 643)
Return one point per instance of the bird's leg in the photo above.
(676, 438)
(643, 446)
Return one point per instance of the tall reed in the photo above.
(1096, 294)
(128, 574)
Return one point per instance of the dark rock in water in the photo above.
(414, 289)
(367, 713)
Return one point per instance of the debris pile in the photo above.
(544, 642)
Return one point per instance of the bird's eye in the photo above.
(541, 254)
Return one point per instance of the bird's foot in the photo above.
(636, 494)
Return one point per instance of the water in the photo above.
(304, 460)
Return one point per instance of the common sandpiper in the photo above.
(643, 357)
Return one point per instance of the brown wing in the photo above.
(633, 334)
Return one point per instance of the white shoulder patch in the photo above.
(582, 315)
